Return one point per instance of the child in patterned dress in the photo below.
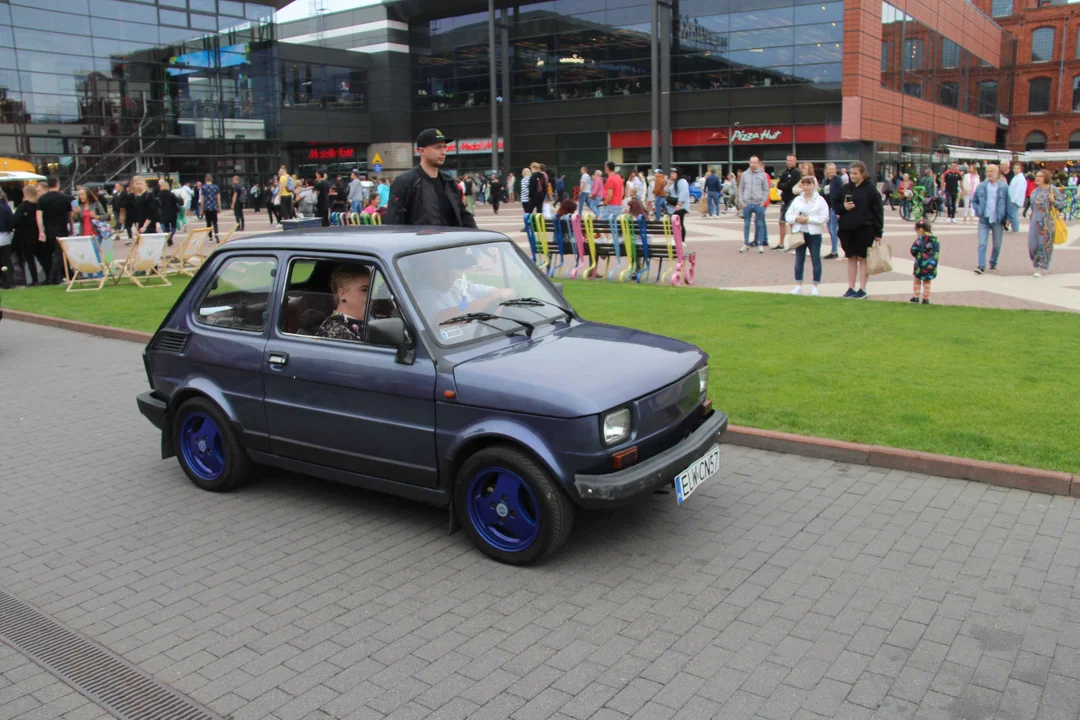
(925, 250)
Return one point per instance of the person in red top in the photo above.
(1027, 196)
(613, 192)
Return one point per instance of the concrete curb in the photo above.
(90, 328)
(1014, 476)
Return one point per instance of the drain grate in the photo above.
(110, 681)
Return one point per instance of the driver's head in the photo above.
(350, 284)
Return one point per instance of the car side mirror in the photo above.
(558, 288)
(391, 332)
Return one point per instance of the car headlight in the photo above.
(703, 379)
(616, 426)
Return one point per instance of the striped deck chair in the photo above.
(146, 257)
(189, 254)
(85, 261)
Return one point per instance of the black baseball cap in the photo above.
(430, 137)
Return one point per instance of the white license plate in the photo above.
(701, 470)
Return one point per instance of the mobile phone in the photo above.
(847, 198)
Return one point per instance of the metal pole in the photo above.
(491, 74)
(654, 117)
(506, 89)
(665, 84)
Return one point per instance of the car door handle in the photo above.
(277, 359)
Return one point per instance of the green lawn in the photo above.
(989, 384)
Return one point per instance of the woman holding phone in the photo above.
(861, 216)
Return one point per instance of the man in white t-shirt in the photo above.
(586, 188)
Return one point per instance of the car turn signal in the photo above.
(624, 458)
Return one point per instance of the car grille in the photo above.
(170, 341)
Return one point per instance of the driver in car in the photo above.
(450, 293)
(350, 284)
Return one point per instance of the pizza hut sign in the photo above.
(752, 136)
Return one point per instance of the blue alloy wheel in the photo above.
(503, 509)
(203, 446)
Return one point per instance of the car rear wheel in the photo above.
(510, 507)
(207, 447)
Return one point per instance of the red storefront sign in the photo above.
(468, 147)
(755, 135)
(333, 153)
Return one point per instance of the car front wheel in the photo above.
(207, 447)
(510, 507)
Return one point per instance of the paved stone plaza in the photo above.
(717, 241)
(785, 588)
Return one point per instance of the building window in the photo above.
(1001, 8)
(1074, 141)
(1035, 141)
(988, 97)
(1039, 95)
(949, 94)
(886, 51)
(1042, 45)
(913, 89)
(913, 54)
(950, 54)
(1076, 94)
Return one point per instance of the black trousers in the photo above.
(285, 213)
(950, 203)
(238, 211)
(54, 254)
(7, 277)
(324, 214)
(211, 221)
(495, 204)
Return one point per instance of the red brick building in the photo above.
(1045, 72)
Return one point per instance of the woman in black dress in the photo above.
(861, 216)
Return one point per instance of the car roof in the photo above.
(384, 241)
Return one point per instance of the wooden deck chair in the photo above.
(85, 263)
(228, 235)
(188, 253)
(146, 257)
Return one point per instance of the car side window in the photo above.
(239, 294)
(334, 299)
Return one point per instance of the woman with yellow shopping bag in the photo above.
(1046, 203)
(861, 216)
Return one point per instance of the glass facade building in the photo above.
(92, 88)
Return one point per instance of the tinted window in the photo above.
(239, 294)
(1039, 95)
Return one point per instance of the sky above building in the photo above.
(300, 9)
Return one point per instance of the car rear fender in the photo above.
(194, 387)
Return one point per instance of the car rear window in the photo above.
(239, 294)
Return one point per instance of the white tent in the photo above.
(963, 152)
(1050, 155)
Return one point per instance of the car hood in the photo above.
(582, 370)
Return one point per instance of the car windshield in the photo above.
(491, 283)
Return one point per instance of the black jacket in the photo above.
(412, 199)
(170, 206)
(787, 182)
(7, 217)
(869, 211)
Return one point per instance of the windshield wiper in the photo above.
(537, 302)
(486, 317)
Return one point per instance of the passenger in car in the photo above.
(350, 284)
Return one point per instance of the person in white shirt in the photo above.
(1017, 193)
(808, 213)
(585, 185)
(967, 188)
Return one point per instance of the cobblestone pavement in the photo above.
(785, 588)
(720, 265)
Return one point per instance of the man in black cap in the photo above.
(426, 195)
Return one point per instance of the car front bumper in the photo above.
(152, 407)
(651, 474)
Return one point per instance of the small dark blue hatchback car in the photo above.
(438, 365)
